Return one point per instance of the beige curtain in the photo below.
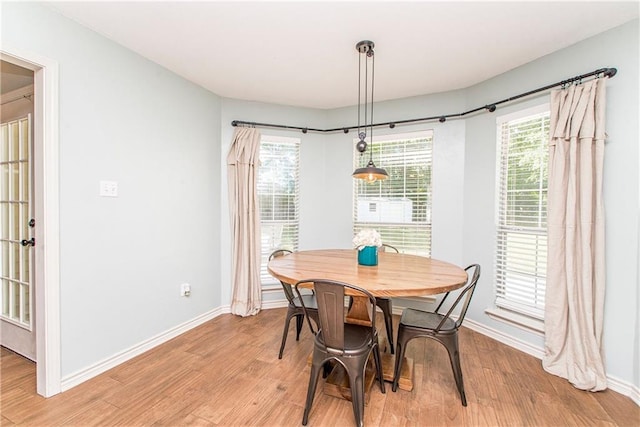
(242, 172)
(575, 274)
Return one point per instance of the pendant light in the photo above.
(370, 173)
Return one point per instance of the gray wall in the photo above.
(165, 141)
(126, 119)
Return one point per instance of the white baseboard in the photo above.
(622, 387)
(94, 370)
(523, 346)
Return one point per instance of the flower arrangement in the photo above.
(367, 237)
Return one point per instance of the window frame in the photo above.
(268, 282)
(358, 160)
(528, 317)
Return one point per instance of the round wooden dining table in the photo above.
(396, 275)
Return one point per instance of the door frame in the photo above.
(47, 213)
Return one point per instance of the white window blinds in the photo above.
(399, 208)
(521, 250)
(278, 197)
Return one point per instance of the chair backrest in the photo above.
(331, 310)
(388, 248)
(464, 297)
(288, 291)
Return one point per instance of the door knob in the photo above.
(30, 242)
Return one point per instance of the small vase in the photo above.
(368, 255)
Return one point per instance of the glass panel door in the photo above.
(15, 222)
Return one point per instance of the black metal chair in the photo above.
(439, 327)
(295, 307)
(345, 343)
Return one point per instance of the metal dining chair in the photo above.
(440, 327)
(345, 343)
(295, 307)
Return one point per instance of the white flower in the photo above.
(367, 237)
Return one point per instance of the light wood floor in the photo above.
(227, 373)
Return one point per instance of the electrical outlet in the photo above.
(185, 290)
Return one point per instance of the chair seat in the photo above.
(357, 339)
(308, 300)
(425, 320)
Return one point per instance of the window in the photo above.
(400, 206)
(278, 197)
(521, 249)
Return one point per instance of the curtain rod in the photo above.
(605, 72)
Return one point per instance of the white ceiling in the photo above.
(303, 53)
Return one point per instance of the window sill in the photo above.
(518, 320)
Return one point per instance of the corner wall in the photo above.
(123, 118)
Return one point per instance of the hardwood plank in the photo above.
(226, 372)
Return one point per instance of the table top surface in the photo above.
(396, 274)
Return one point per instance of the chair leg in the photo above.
(284, 334)
(378, 362)
(311, 391)
(451, 344)
(356, 381)
(299, 323)
(400, 349)
(385, 306)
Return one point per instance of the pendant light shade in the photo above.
(369, 173)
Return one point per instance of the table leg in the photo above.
(359, 315)
(359, 312)
(406, 374)
(337, 383)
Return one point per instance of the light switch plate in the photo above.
(108, 188)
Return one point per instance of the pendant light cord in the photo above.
(366, 91)
(359, 86)
(373, 79)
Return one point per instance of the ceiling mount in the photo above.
(365, 46)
